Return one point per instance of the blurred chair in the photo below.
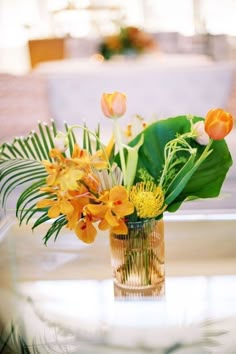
(23, 101)
(218, 47)
(46, 49)
(231, 102)
(81, 47)
(167, 41)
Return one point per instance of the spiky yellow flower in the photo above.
(148, 199)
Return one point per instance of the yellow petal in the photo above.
(123, 209)
(121, 229)
(111, 219)
(66, 207)
(110, 146)
(97, 209)
(103, 225)
(44, 203)
(54, 211)
(118, 193)
(85, 231)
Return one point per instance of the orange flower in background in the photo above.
(113, 43)
(113, 104)
(218, 123)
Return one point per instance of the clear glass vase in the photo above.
(138, 259)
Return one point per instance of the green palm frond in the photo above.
(21, 166)
(55, 228)
(26, 204)
(16, 173)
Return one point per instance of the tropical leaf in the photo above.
(207, 179)
(21, 166)
(55, 228)
(17, 173)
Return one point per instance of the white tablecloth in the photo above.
(156, 87)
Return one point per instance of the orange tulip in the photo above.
(113, 104)
(218, 123)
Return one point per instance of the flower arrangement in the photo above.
(88, 185)
(129, 40)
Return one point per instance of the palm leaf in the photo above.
(21, 166)
(28, 207)
(55, 229)
(17, 173)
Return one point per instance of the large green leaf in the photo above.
(206, 181)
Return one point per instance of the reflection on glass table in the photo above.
(60, 298)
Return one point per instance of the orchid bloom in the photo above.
(69, 173)
(85, 230)
(56, 207)
(218, 123)
(114, 206)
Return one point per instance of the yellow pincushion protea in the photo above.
(148, 199)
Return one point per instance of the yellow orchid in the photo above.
(78, 201)
(85, 229)
(56, 207)
(87, 161)
(68, 173)
(113, 207)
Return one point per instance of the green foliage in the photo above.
(199, 176)
(20, 165)
(165, 152)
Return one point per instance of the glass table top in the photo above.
(60, 298)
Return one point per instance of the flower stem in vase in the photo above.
(138, 259)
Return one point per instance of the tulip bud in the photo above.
(202, 137)
(218, 123)
(113, 104)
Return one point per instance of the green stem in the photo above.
(118, 139)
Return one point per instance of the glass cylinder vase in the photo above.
(138, 259)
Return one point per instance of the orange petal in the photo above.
(66, 207)
(86, 231)
(121, 229)
(54, 211)
(98, 210)
(110, 146)
(44, 203)
(103, 225)
(123, 209)
(111, 219)
(118, 193)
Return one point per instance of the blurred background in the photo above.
(169, 57)
(185, 26)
